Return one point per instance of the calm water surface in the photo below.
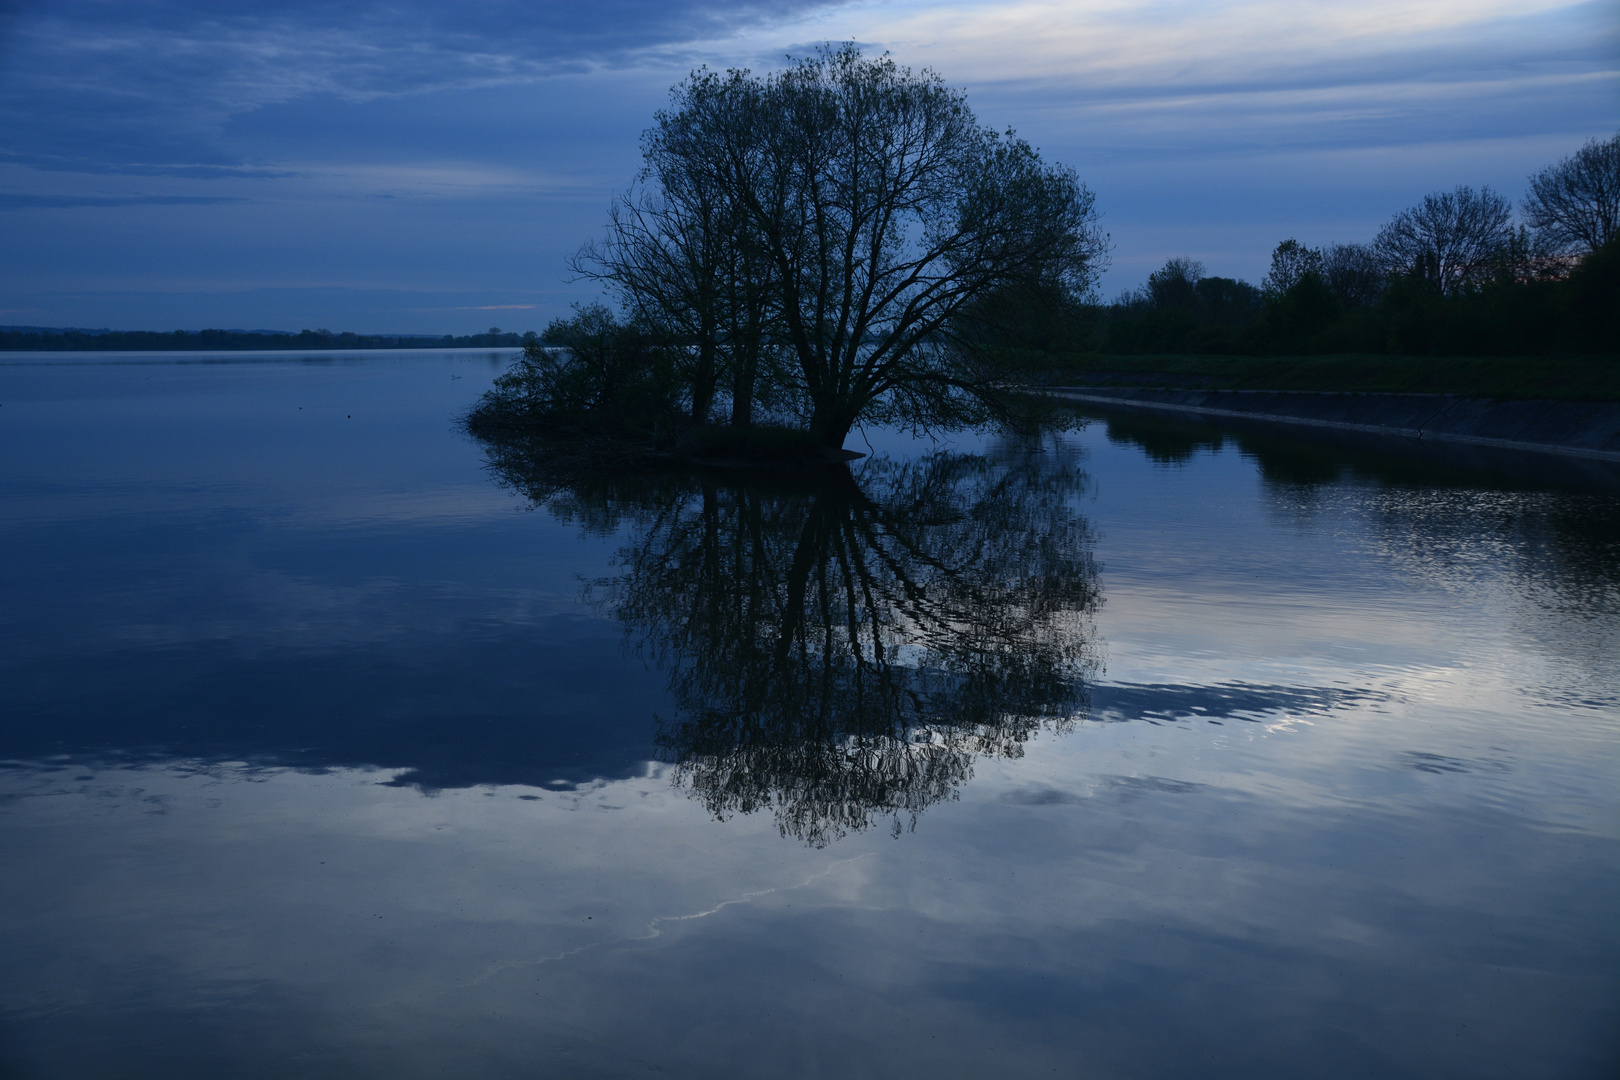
(336, 744)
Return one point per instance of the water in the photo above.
(335, 746)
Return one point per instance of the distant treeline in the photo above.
(45, 340)
(1574, 309)
(1453, 275)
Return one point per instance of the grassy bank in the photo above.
(1570, 378)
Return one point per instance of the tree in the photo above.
(1227, 302)
(1450, 240)
(1575, 204)
(1299, 303)
(1175, 283)
(1180, 309)
(1354, 273)
(869, 213)
(1290, 262)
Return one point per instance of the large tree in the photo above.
(860, 217)
(1291, 261)
(1575, 204)
(1452, 239)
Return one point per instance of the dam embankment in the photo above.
(1582, 429)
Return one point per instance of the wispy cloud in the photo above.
(25, 201)
(95, 85)
(1172, 43)
(462, 151)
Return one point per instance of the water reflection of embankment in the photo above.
(1311, 455)
(1535, 535)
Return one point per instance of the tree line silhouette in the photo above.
(1453, 274)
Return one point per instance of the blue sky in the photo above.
(429, 167)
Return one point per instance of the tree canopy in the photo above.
(821, 241)
(1575, 204)
(1452, 274)
(1451, 239)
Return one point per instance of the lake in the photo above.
(337, 744)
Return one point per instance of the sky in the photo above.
(424, 167)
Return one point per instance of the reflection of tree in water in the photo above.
(842, 647)
(1165, 441)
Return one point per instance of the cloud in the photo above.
(100, 86)
(1255, 74)
(1183, 44)
(23, 201)
(406, 141)
(148, 89)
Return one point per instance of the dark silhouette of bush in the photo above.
(1354, 273)
(1227, 304)
(1179, 310)
(1290, 261)
(1518, 304)
(1592, 300)
(588, 380)
(1297, 319)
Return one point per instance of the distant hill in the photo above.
(78, 339)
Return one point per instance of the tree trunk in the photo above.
(742, 391)
(703, 382)
(831, 425)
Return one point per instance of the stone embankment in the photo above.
(1586, 429)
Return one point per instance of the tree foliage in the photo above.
(1453, 274)
(1180, 309)
(1355, 307)
(682, 255)
(1290, 262)
(832, 233)
(590, 377)
(1575, 204)
(842, 241)
(1450, 240)
(1175, 284)
(1354, 273)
